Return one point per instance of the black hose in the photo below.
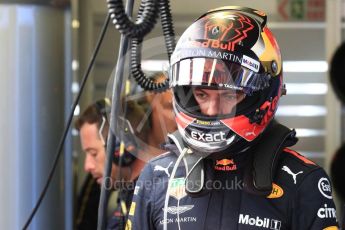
(167, 26)
(137, 73)
(169, 36)
(124, 24)
(146, 19)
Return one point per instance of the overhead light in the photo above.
(77, 111)
(305, 66)
(75, 24)
(75, 132)
(75, 65)
(310, 132)
(75, 87)
(306, 88)
(301, 111)
(154, 65)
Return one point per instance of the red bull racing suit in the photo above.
(301, 197)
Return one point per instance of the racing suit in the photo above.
(301, 197)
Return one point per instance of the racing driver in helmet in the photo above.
(229, 165)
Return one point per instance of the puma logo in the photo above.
(161, 168)
(251, 133)
(294, 175)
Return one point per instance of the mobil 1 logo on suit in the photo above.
(260, 222)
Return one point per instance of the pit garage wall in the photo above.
(32, 113)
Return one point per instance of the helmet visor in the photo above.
(206, 102)
(125, 133)
(209, 72)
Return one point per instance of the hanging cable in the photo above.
(167, 26)
(169, 36)
(70, 118)
(168, 31)
(124, 24)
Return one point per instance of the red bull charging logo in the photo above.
(225, 165)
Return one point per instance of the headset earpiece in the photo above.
(103, 107)
(125, 158)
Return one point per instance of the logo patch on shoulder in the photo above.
(326, 212)
(294, 175)
(325, 187)
(277, 192)
(164, 169)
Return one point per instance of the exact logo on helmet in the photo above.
(257, 221)
(208, 137)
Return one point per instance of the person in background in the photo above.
(160, 112)
(92, 142)
(87, 204)
(150, 130)
(229, 165)
(93, 127)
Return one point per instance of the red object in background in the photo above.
(309, 10)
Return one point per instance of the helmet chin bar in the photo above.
(206, 148)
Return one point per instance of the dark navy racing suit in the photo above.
(301, 197)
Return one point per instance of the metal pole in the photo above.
(115, 110)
